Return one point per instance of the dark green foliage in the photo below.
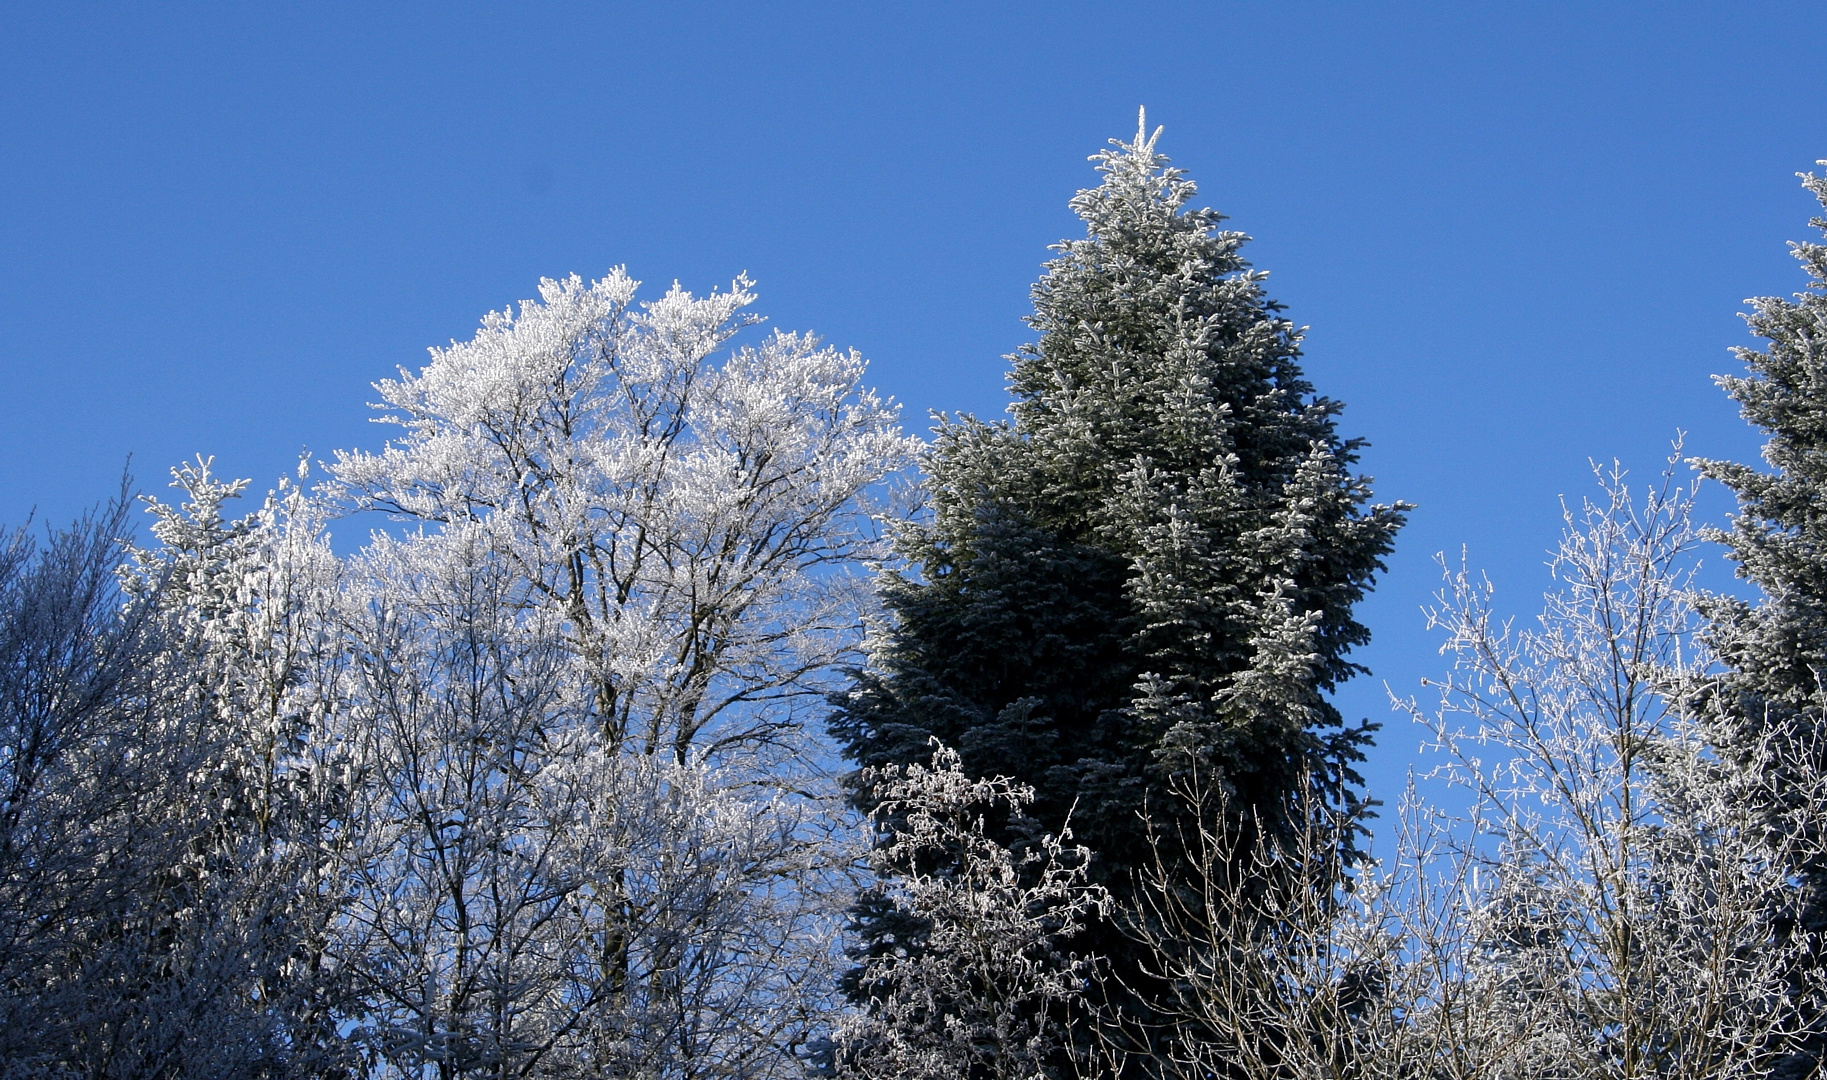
(1153, 566)
(1775, 654)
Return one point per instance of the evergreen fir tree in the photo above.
(1775, 653)
(1151, 568)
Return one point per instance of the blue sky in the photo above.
(1520, 234)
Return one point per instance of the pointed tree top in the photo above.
(1145, 143)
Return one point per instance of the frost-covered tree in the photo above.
(1630, 883)
(523, 899)
(161, 895)
(519, 792)
(251, 605)
(987, 996)
(252, 661)
(584, 845)
(687, 522)
(1152, 566)
(1775, 651)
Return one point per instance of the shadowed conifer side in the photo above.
(1775, 653)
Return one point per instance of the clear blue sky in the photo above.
(1520, 234)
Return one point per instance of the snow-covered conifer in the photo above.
(1152, 566)
(1775, 652)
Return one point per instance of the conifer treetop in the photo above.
(1781, 525)
(1157, 341)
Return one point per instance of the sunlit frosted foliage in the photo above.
(254, 658)
(685, 521)
(161, 868)
(1774, 682)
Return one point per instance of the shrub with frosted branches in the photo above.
(985, 989)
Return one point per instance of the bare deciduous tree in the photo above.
(521, 898)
